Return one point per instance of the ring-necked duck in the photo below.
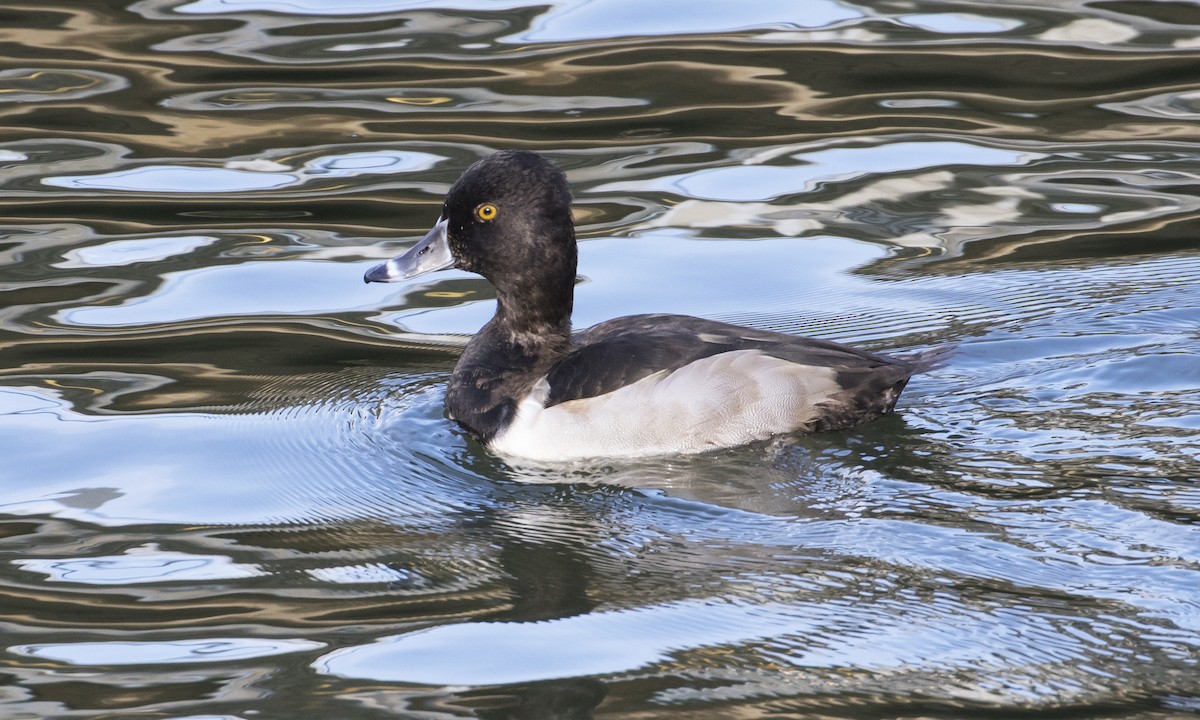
(634, 386)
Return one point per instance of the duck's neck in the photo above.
(530, 331)
(540, 315)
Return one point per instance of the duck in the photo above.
(530, 388)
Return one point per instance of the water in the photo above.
(228, 487)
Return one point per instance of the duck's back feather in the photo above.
(622, 351)
(658, 384)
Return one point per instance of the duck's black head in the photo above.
(508, 218)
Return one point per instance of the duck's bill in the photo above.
(432, 253)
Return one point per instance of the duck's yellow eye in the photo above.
(486, 212)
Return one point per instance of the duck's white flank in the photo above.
(720, 401)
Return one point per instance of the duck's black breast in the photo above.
(495, 372)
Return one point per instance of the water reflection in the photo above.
(128, 252)
(167, 653)
(425, 101)
(229, 486)
(594, 644)
(756, 180)
(141, 564)
(244, 176)
(31, 85)
(277, 287)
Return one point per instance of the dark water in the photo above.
(228, 490)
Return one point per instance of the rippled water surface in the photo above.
(228, 489)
